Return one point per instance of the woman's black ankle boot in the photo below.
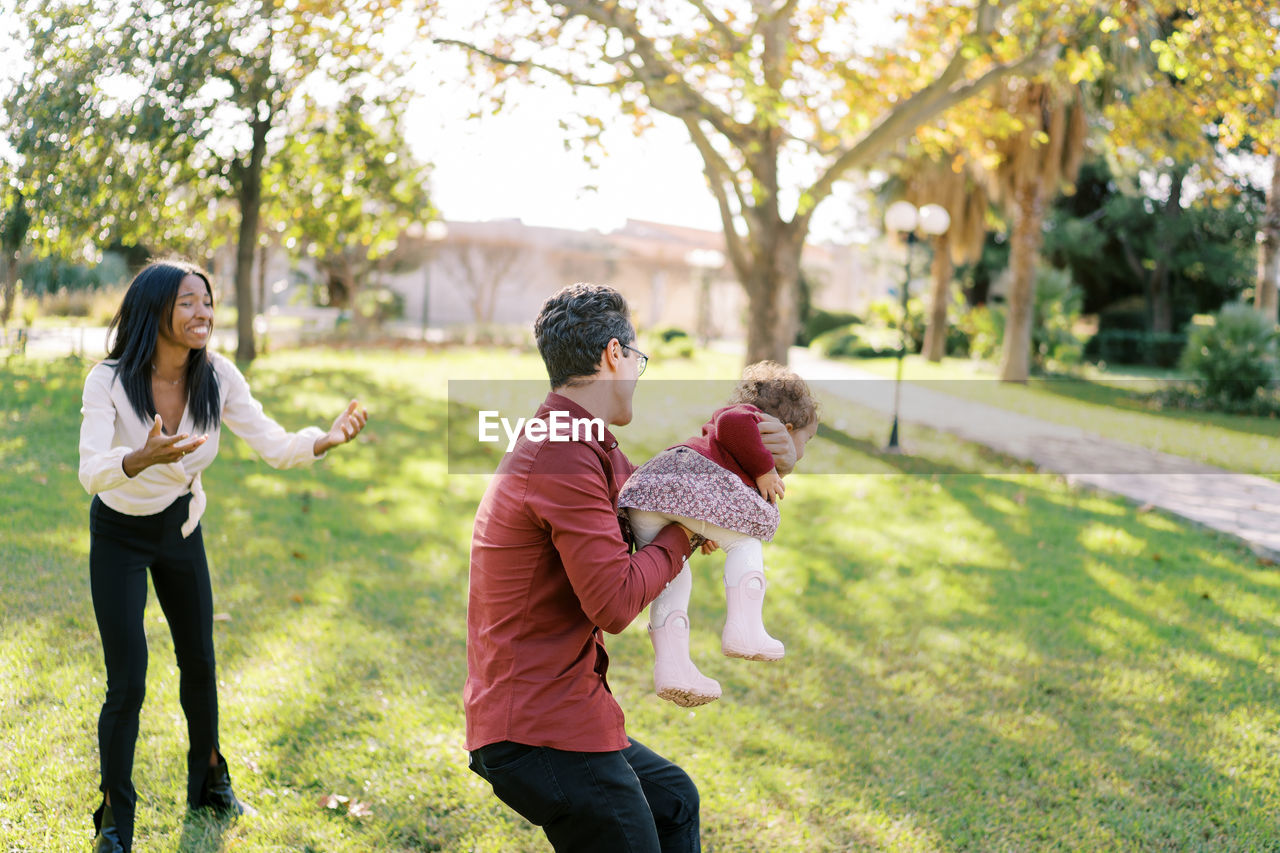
(218, 794)
(108, 839)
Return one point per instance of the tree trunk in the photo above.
(935, 335)
(1267, 293)
(17, 223)
(1161, 297)
(773, 287)
(1161, 300)
(250, 197)
(8, 285)
(260, 305)
(1028, 220)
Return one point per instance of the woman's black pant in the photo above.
(122, 548)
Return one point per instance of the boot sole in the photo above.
(751, 654)
(685, 697)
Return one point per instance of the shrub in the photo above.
(381, 304)
(1235, 357)
(51, 275)
(1127, 346)
(1057, 310)
(857, 340)
(1128, 314)
(887, 314)
(821, 321)
(1058, 302)
(97, 307)
(669, 343)
(983, 325)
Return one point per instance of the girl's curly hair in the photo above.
(777, 390)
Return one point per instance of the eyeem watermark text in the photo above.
(558, 426)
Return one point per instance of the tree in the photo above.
(345, 189)
(782, 98)
(955, 182)
(1152, 134)
(1108, 225)
(1041, 156)
(483, 269)
(1225, 55)
(186, 100)
(1267, 290)
(15, 219)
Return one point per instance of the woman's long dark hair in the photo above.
(147, 308)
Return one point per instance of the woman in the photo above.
(153, 412)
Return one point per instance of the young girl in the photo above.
(722, 485)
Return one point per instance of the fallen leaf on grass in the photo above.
(332, 801)
(296, 598)
(298, 555)
(354, 808)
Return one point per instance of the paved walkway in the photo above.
(1241, 505)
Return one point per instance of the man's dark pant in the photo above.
(632, 800)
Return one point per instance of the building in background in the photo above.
(499, 273)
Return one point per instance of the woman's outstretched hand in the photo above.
(160, 449)
(346, 427)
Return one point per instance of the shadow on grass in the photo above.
(203, 832)
(1007, 687)
(974, 662)
(1139, 401)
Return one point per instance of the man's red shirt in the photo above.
(549, 570)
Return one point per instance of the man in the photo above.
(550, 570)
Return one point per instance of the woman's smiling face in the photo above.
(191, 322)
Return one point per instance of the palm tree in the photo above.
(1267, 294)
(953, 181)
(1039, 157)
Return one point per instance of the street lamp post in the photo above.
(435, 231)
(904, 218)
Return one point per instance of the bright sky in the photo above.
(515, 164)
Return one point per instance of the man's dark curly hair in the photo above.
(778, 391)
(574, 326)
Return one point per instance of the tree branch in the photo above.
(915, 111)
(526, 64)
(684, 99)
(1131, 257)
(785, 10)
(718, 175)
(732, 40)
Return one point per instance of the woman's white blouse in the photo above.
(111, 430)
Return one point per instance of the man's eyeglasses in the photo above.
(644, 359)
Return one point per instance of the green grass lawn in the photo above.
(1108, 403)
(973, 663)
